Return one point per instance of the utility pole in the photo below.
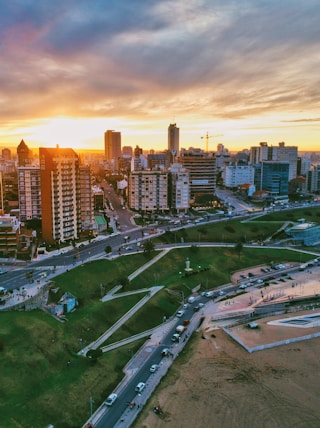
(91, 402)
(207, 136)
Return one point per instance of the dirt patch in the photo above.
(266, 333)
(218, 384)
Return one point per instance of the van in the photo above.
(140, 386)
(191, 299)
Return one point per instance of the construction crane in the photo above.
(207, 136)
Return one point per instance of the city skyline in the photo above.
(244, 74)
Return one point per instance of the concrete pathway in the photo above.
(121, 321)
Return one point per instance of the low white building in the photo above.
(235, 175)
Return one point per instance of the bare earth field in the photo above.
(221, 385)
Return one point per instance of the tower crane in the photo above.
(207, 136)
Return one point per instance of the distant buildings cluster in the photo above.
(59, 188)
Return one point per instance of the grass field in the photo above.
(38, 385)
(235, 230)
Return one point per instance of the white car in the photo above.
(111, 399)
(179, 314)
(154, 368)
(140, 387)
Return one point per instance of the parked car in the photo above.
(165, 352)
(140, 387)
(179, 314)
(154, 368)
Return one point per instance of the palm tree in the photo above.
(238, 248)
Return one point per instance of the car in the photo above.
(196, 308)
(111, 399)
(154, 368)
(2, 271)
(243, 286)
(186, 322)
(175, 337)
(179, 314)
(185, 305)
(201, 305)
(129, 248)
(165, 352)
(140, 387)
(81, 245)
(209, 293)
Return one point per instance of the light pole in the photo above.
(91, 403)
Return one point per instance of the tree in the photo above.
(149, 246)
(108, 249)
(238, 248)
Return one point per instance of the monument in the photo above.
(188, 268)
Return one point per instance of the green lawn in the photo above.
(38, 387)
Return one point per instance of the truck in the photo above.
(180, 329)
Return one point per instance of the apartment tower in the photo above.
(60, 198)
(112, 148)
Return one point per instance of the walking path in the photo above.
(94, 345)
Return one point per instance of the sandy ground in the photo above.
(217, 384)
(221, 385)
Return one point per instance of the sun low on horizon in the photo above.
(88, 134)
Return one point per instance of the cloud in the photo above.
(222, 59)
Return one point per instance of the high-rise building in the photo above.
(86, 196)
(24, 154)
(1, 194)
(202, 169)
(173, 140)
(112, 147)
(127, 151)
(276, 153)
(9, 235)
(6, 154)
(179, 195)
(313, 179)
(274, 178)
(60, 195)
(158, 160)
(29, 191)
(223, 156)
(148, 190)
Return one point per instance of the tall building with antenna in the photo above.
(173, 140)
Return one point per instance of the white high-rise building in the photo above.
(180, 187)
(29, 191)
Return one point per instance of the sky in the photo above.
(242, 71)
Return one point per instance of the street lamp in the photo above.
(91, 403)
